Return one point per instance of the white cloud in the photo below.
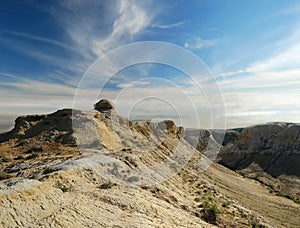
(232, 73)
(287, 79)
(24, 97)
(132, 19)
(245, 108)
(265, 91)
(167, 26)
(199, 43)
(286, 58)
(135, 83)
(99, 26)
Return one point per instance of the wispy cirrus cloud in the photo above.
(42, 39)
(167, 26)
(284, 59)
(98, 26)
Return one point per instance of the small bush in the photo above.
(210, 212)
(106, 185)
(173, 165)
(210, 198)
(215, 209)
(296, 201)
(230, 217)
(254, 224)
(225, 204)
(64, 187)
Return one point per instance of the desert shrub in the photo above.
(254, 224)
(296, 201)
(173, 165)
(230, 217)
(210, 198)
(64, 187)
(210, 212)
(106, 185)
(225, 204)
(278, 193)
(213, 207)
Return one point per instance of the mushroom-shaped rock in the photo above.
(104, 105)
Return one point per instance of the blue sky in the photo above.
(251, 47)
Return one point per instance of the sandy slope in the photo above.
(276, 210)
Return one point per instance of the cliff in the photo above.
(267, 152)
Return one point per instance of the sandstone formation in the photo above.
(270, 153)
(55, 127)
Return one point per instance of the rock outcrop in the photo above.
(104, 105)
(55, 127)
(181, 132)
(198, 138)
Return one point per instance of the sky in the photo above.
(251, 48)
